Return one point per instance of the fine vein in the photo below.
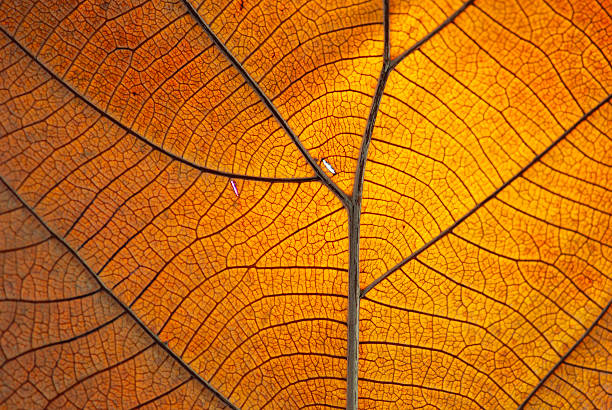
(151, 144)
(354, 210)
(129, 311)
(565, 356)
(331, 185)
(435, 31)
(448, 230)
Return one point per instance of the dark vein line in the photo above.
(235, 268)
(322, 176)
(424, 387)
(264, 329)
(51, 301)
(286, 387)
(90, 161)
(105, 189)
(498, 301)
(150, 220)
(432, 33)
(354, 207)
(566, 355)
(162, 395)
(576, 388)
(82, 380)
(24, 247)
(387, 31)
(187, 248)
(151, 144)
(129, 311)
(537, 47)
(454, 356)
(279, 357)
(518, 262)
(455, 320)
(589, 369)
(253, 265)
(59, 342)
(442, 234)
(259, 300)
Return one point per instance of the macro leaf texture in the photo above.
(305, 204)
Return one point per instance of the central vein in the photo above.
(354, 213)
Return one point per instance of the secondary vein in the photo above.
(140, 137)
(321, 175)
(452, 227)
(125, 308)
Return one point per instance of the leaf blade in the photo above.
(100, 299)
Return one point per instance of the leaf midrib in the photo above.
(354, 209)
(352, 203)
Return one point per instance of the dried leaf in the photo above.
(273, 204)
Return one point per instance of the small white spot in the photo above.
(328, 166)
(234, 187)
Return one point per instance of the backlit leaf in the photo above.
(277, 204)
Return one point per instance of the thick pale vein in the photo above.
(354, 210)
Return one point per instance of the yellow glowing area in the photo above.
(305, 204)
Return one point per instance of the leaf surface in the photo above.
(305, 204)
(66, 341)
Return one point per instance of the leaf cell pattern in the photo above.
(173, 234)
(66, 341)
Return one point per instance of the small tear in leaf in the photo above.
(234, 187)
(328, 166)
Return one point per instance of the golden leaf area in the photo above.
(283, 204)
